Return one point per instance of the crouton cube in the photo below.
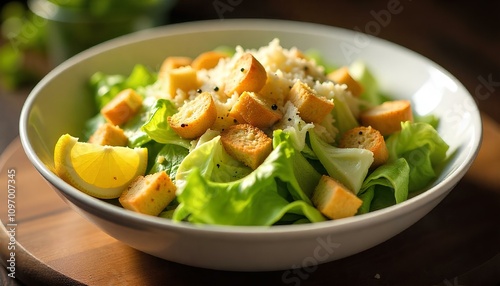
(366, 138)
(387, 117)
(194, 117)
(172, 62)
(248, 75)
(312, 108)
(247, 144)
(208, 60)
(109, 134)
(342, 76)
(149, 194)
(122, 107)
(334, 200)
(183, 78)
(253, 110)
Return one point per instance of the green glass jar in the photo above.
(75, 25)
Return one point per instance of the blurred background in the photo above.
(461, 36)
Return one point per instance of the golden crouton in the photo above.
(148, 194)
(342, 76)
(248, 75)
(366, 138)
(183, 78)
(247, 144)
(109, 134)
(122, 107)
(312, 108)
(387, 117)
(171, 63)
(208, 60)
(251, 109)
(334, 200)
(194, 117)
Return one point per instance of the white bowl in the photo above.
(59, 104)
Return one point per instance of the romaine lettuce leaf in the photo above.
(360, 72)
(106, 86)
(317, 56)
(347, 165)
(260, 198)
(157, 127)
(295, 126)
(422, 147)
(344, 118)
(132, 128)
(213, 163)
(394, 175)
(391, 178)
(168, 159)
(91, 126)
(305, 174)
(431, 119)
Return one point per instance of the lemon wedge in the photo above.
(100, 171)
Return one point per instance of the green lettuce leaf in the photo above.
(306, 175)
(431, 119)
(260, 198)
(347, 165)
(106, 86)
(342, 114)
(360, 72)
(168, 159)
(157, 127)
(294, 126)
(422, 147)
(91, 126)
(132, 128)
(318, 57)
(213, 163)
(391, 178)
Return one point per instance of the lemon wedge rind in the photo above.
(100, 171)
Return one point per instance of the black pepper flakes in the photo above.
(216, 88)
(289, 119)
(360, 132)
(184, 125)
(242, 69)
(274, 107)
(199, 90)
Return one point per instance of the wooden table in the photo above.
(455, 244)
